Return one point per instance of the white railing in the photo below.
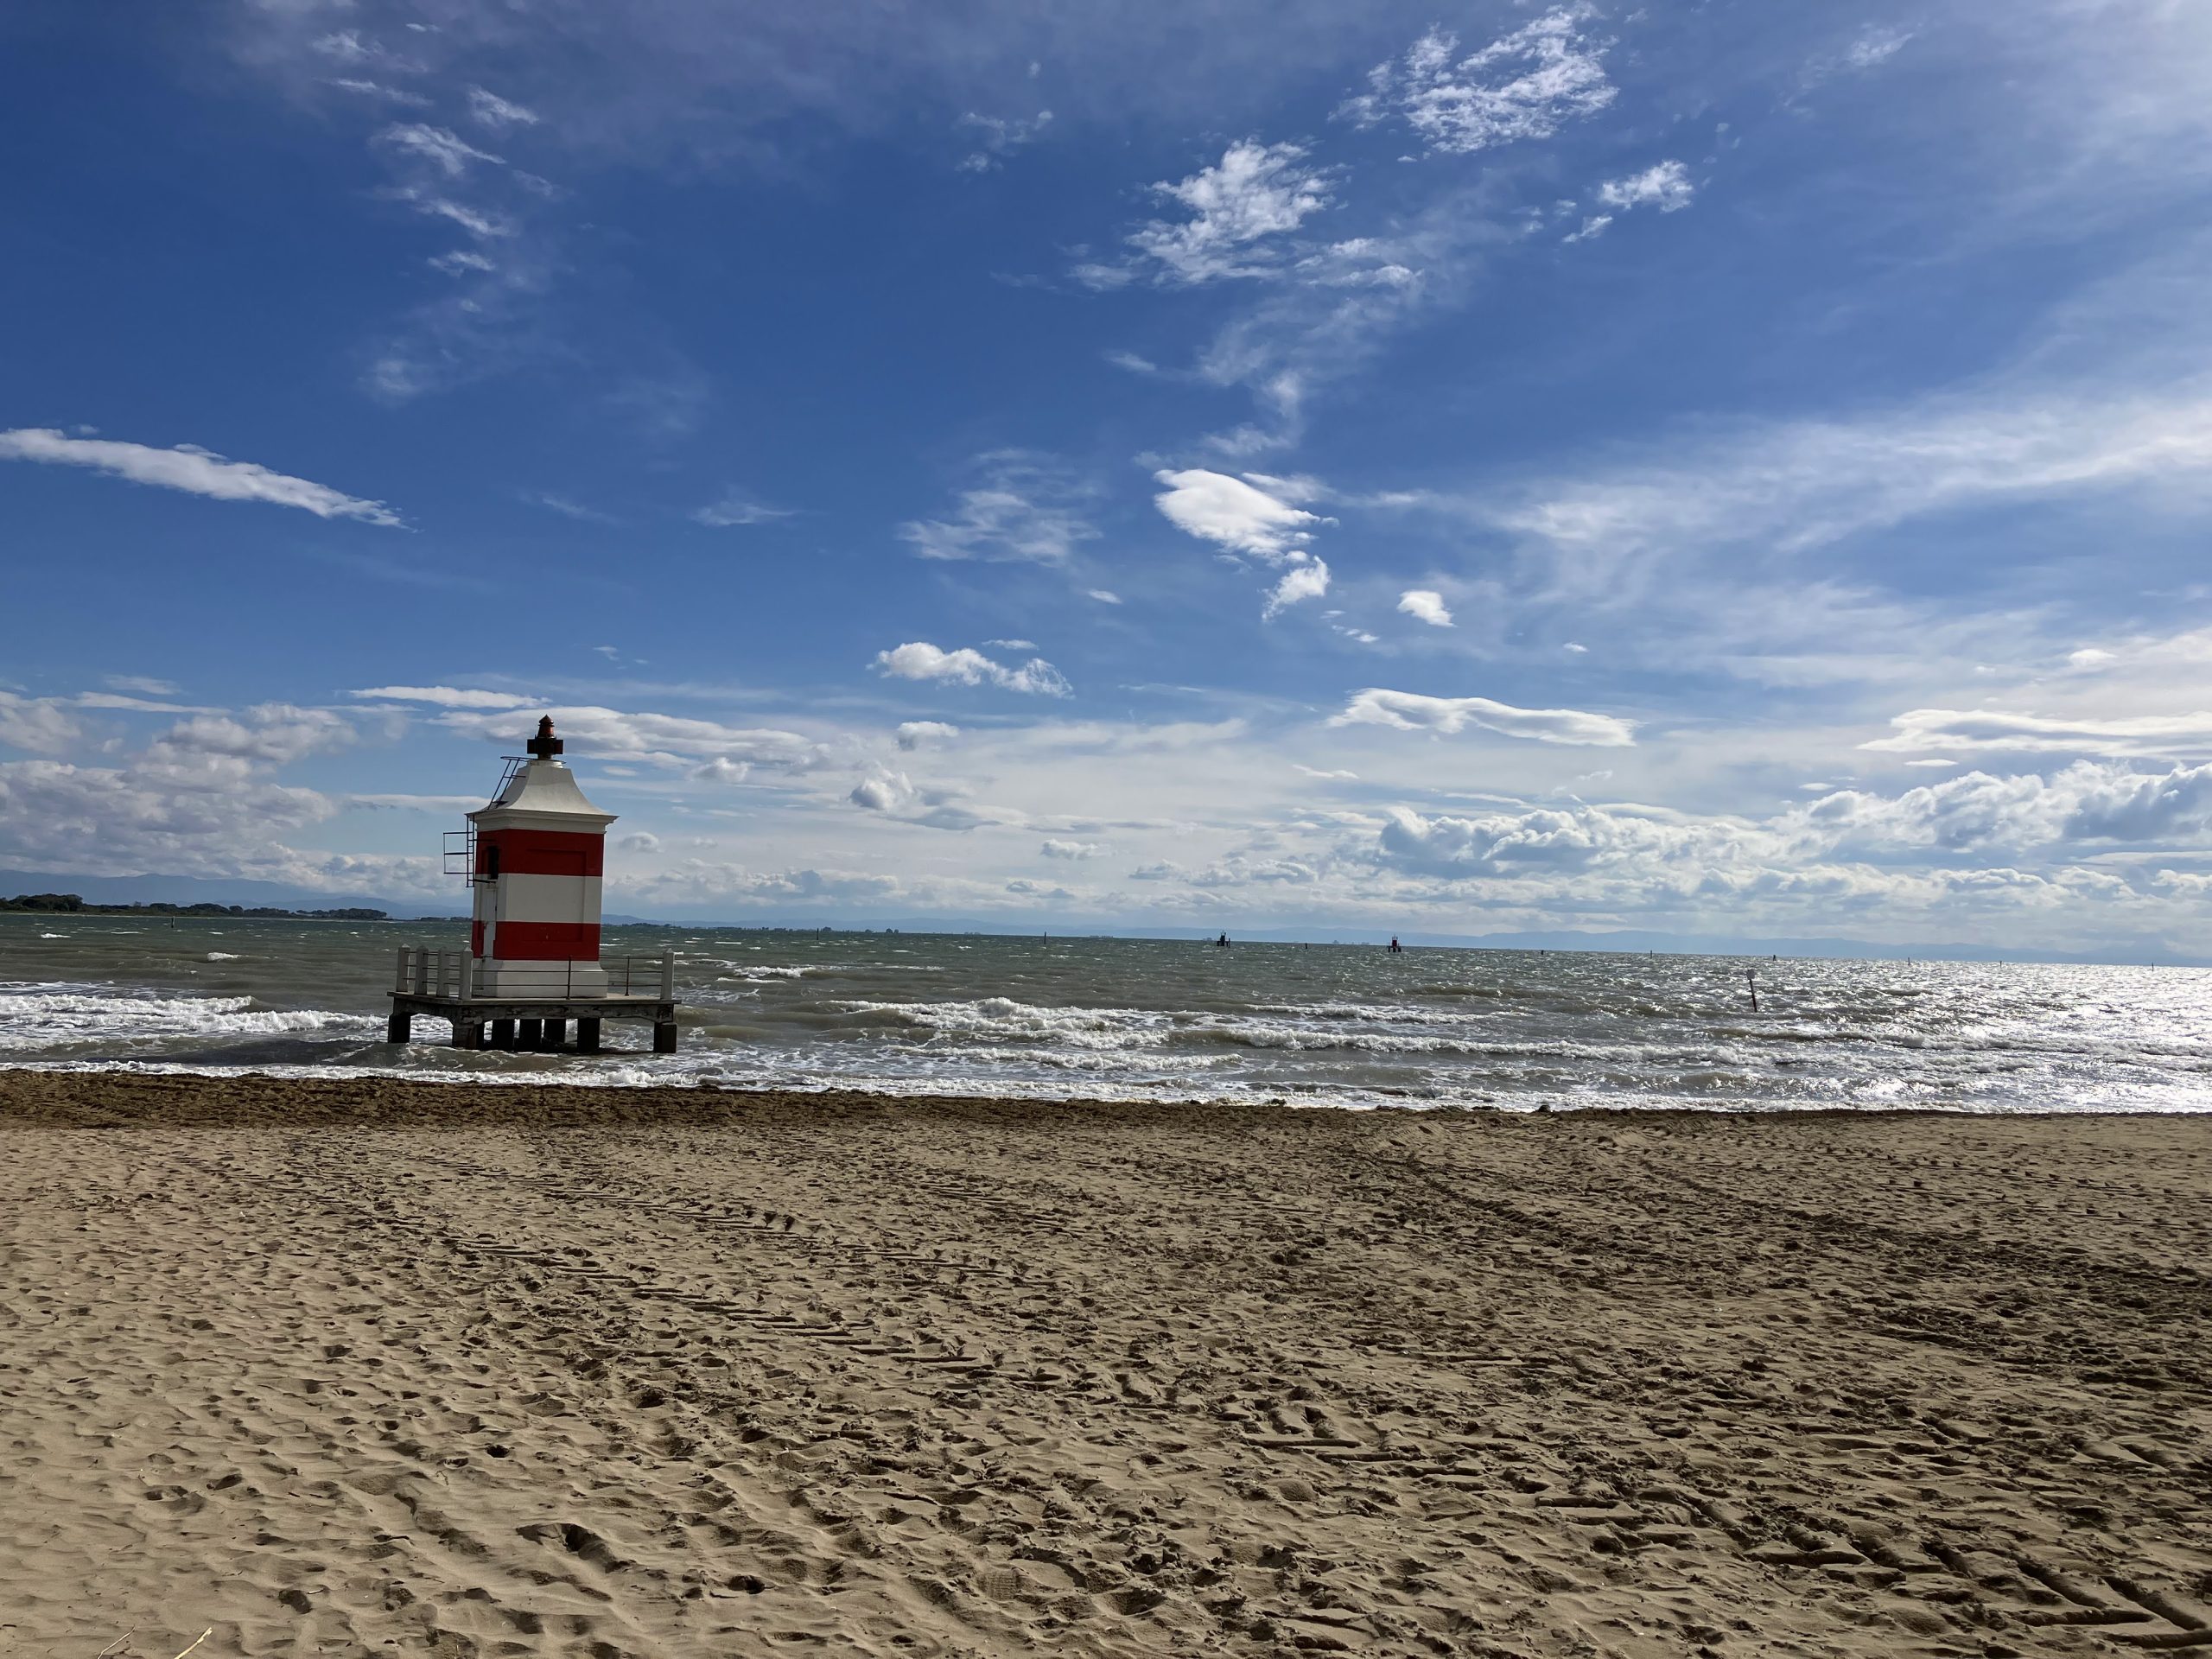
(433, 973)
(457, 976)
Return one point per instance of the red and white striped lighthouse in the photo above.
(540, 850)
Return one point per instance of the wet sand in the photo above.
(363, 1366)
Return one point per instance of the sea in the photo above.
(1049, 1016)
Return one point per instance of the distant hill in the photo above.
(201, 890)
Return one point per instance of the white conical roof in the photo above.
(544, 794)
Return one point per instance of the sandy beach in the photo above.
(365, 1366)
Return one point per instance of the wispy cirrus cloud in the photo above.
(737, 509)
(192, 470)
(444, 150)
(446, 696)
(999, 137)
(1023, 507)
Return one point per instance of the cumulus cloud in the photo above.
(1073, 849)
(1023, 508)
(39, 725)
(639, 841)
(1409, 711)
(1425, 605)
(192, 469)
(2089, 801)
(1525, 85)
(878, 794)
(1665, 186)
(1919, 729)
(918, 660)
(924, 733)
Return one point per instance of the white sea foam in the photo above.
(37, 1018)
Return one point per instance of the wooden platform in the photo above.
(538, 1025)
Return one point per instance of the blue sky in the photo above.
(1725, 469)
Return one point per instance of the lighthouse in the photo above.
(533, 858)
(540, 849)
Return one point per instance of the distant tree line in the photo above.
(70, 904)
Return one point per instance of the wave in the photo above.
(46, 1017)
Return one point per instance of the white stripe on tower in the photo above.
(549, 898)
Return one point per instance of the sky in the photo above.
(1724, 468)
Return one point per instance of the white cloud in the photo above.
(1425, 605)
(460, 260)
(924, 733)
(492, 111)
(1254, 191)
(1592, 228)
(735, 509)
(2090, 659)
(878, 794)
(1234, 512)
(1525, 85)
(140, 683)
(192, 469)
(918, 660)
(1803, 484)
(1023, 510)
(40, 725)
(475, 221)
(442, 149)
(1000, 138)
(449, 696)
(1875, 47)
(1665, 186)
(1307, 579)
(1408, 711)
(1104, 596)
(2089, 801)
(567, 508)
(1075, 850)
(1326, 777)
(673, 741)
(387, 94)
(639, 841)
(1996, 730)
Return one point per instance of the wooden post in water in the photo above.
(1751, 978)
